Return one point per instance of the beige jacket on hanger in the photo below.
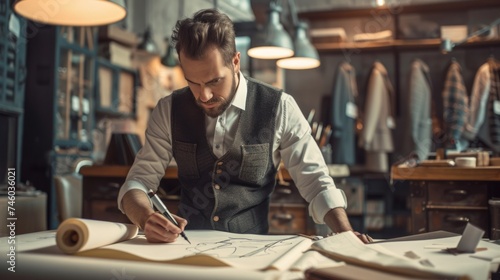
(378, 120)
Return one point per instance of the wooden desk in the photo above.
(447, 198)
(100, 185)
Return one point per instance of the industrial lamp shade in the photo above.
(72, 12)
(148, 44)
(170, 59)
(273, 42)
(306, 56)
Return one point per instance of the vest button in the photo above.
(217, 187)
(220, 163)
(216, 218)
(219, 171)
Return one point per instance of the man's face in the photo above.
(213, 84)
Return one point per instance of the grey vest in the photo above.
(230, 193)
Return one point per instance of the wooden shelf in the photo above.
(118, 171)
(391, 45)
(487, 173)
(399, 10)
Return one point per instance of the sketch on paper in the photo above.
(239, 247)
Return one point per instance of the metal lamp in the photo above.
(170, 59)
(306, 56)
(72, 12)
(148, 44)
(273, 42)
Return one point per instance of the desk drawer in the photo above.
(457, 193)
(456, 220)
(105, 210)
(288, 219)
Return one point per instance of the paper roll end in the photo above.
(70, 236)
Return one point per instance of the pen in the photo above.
(163, 209)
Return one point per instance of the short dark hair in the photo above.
(207, 28)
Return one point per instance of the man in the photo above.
(227, 133)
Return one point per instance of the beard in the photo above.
(223, 102)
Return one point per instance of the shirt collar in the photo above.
(240, 98)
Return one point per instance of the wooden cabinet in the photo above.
(74, 86)
(449, 205)
(288, 213)
(288, 210)
(116, 90)
(416, 34)
(58, 105)
(449, 198)
(12, 85)
(100, 187)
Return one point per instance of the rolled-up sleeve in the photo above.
(153, 158)
(304, 161)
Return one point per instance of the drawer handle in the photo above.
(458, 192)
(114, 185)
(456, 219)
(283, 190)
(287, 217)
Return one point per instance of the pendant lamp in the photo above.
(305, 56)
(170, 59)
(273, 42)
(72, 12)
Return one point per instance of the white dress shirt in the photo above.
(293, 145)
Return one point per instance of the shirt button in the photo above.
(216, 218)
(217, 146)
(217, 187)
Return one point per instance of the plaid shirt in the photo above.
(494, 118)
(455, 103)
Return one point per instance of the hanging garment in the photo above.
(343, 115)
(378, 120)
(484, 119)
(416, 138)
(455, 111)
(494, 106)
(478, 102)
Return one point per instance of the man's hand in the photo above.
(365, 238)
(159, 229)
(156, 227)
(337, 221)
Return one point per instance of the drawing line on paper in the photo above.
(239, 247)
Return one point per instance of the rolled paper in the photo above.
(76, 235)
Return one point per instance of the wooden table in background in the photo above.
(447, 198)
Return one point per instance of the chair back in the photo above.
(69, 192)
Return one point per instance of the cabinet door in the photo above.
(12, 56)
(74, 91)
(466, 194)
(455, 220)
(116, 90)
